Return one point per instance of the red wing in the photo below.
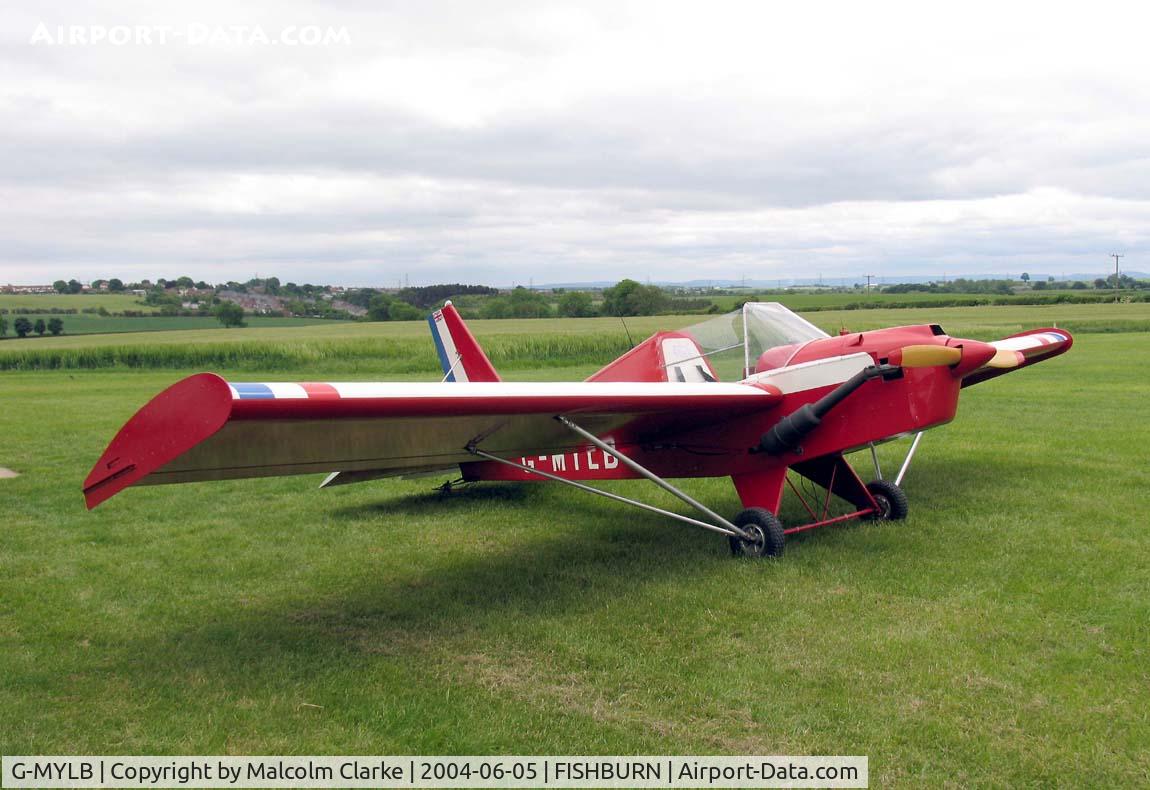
(1028, 348)
(203, 428)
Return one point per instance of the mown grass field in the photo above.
(997, 637)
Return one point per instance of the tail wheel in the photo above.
(892, 503)
(765, 531)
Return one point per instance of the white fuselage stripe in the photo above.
(812, 375)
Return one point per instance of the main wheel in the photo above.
(891, 501)
(765, 531)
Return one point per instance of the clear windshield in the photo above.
(734, 341)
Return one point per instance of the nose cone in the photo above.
(975, 354)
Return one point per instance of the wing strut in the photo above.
(722, 525)
(654, 478)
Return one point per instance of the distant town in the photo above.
(232, 303)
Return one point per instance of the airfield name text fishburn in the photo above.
(438, 771)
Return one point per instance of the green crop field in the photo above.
(831, 300)
(997, 637)
(81, 323)
(89, 324)
(113, 303)
(807, 300)
(404, 347)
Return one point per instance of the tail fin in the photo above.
(459, 354)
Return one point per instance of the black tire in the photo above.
(767, 538)
(892, 502)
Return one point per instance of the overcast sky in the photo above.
(508, 142)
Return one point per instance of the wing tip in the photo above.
(177, 419)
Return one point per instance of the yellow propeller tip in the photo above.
(1005, 359)
(927, 356)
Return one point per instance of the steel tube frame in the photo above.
(654, 478)
(828, 522)
(825, 519)
(600, 492)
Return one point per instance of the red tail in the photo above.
(459, 353)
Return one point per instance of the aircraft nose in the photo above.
(975, 354)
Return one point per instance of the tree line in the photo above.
(23, 326)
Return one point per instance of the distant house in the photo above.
(349, 308)
(258, 304)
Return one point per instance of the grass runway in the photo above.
(998, 636)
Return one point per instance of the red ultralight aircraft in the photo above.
(799, 400)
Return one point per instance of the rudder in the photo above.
(459, 353)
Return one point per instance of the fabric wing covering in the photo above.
(203, 428)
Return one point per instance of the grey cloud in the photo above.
(127, 158)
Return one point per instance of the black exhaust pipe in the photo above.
(788, 433)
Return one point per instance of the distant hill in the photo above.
(830, 282)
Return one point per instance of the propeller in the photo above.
(929, 356)
(925, 356)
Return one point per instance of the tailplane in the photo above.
(459, 353)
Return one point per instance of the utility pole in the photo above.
(1116, 256)
(869, 277)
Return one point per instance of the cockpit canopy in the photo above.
(734, 343)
